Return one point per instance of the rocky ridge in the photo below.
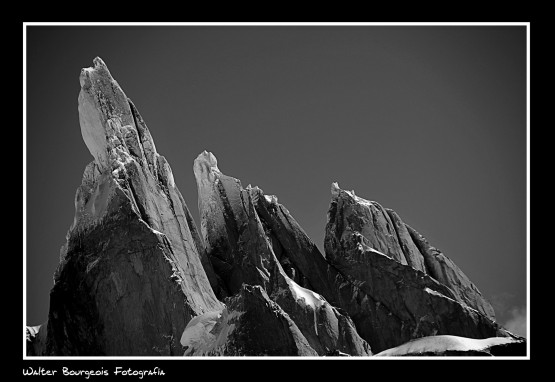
(130, 275)
(237, 245)
(136, 277)
(406, 301)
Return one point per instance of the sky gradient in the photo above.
(429, 121)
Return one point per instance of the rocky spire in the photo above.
(241, 252)
(136, 277)
(130, 276)
(383, 230)
(410, 293)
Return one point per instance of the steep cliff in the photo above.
(136, 277)
(130, 275)
(241, 253)
(410, 294)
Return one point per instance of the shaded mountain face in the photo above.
(250, 325)
(391, 298)
(136, 277)
(241, 252)
(412, 293)
(384, 231)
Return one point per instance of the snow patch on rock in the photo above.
(270, 198)
(197, 336)
(336, 191)
(436, 293)
(310, 298)
(443, 343)
(207, 334)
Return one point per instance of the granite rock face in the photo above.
(130, 275)
(136, 277)
(251, 324)
(442, 269)
(404, 302)
(390, 300)
(241, 253)
(384, 231)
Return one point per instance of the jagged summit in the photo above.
(337, 192)
(130, 275)
(243, 251)
(418, 291)
(136, 277)
(208, 160)
(335, 189)
(99, 67)
(106, 119)
(383, 230)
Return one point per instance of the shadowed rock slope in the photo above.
(241, 253)
(409, 293)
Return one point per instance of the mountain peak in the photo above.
(133, 243)
(206, 161)
(106, 119)
(136, 277)
(335, 189)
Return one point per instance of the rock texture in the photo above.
(389, 300)
(36, 339)
(383, 230)
(136, 277)
(250, 325)
(130, 275)
(442, 269)
(458, 346)
(241, 253)
(403, 302)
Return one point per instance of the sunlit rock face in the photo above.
(241, 253)
(250, 325)
(130, 275)
(392, 296)
(136, 277)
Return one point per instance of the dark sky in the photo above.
(427, 120)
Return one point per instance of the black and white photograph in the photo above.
(275, 191)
